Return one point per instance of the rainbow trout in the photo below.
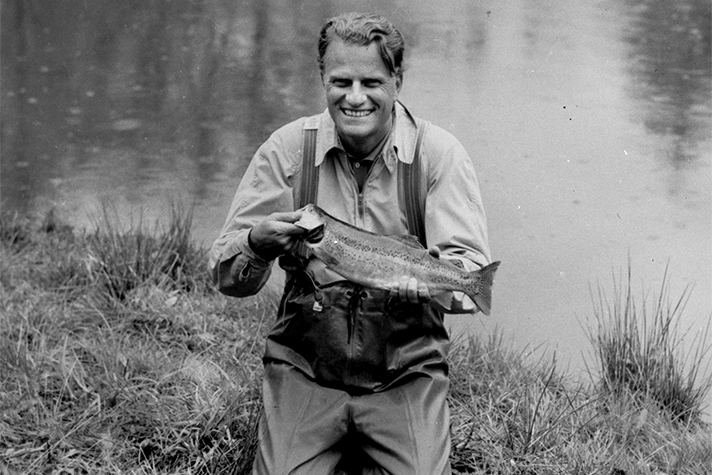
(377, 261)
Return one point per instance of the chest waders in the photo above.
(347, 336)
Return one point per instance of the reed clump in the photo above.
(116, 357)
(125, 259)
(641, 352)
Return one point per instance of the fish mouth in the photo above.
(315, 235)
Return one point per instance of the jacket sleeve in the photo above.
(265, 188)
(455, 217)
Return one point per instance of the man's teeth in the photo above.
(352, 113)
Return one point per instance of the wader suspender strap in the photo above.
(309, 187)
(310, 173)
(409, 194)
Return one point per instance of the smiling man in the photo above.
(346, 367)
(361, 93)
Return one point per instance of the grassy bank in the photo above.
(117, 357)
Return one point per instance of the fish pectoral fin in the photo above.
(329, 261)
(408, 240)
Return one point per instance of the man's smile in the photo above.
(357, 113)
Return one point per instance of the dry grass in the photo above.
(117, 358)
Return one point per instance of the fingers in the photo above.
(284, 222)
(423, 293)
(286, 216)
(408, 289)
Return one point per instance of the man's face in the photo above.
(360, 93)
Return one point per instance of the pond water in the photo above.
(588, 122)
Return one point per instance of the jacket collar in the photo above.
(400, 145)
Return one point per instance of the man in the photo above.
(342, 360)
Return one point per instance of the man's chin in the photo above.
(354, 131)
(353, 121)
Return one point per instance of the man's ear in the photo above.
(399, 82)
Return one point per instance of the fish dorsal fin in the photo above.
(409, 240)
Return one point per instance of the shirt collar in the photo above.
(400, 145)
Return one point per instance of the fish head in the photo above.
(313, 222)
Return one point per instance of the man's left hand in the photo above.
(408, 289)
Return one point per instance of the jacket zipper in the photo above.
(361, 211)
(360, 206)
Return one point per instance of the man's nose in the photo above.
(356, 95)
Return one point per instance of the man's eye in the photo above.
(341, 82)
(372, 83)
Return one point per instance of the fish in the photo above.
(376, 260)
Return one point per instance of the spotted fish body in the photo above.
(377, 261)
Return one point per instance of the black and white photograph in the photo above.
(330, 237)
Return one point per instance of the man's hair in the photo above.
(363, 29)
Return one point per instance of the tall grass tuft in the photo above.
(640, 352)
(125, 259)
(511, 414)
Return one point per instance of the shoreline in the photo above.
(119, 357)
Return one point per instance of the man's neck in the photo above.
(360, 151)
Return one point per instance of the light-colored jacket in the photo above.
(454, 215)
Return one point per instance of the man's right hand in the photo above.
(275, 235)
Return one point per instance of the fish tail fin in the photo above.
(481, 290)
